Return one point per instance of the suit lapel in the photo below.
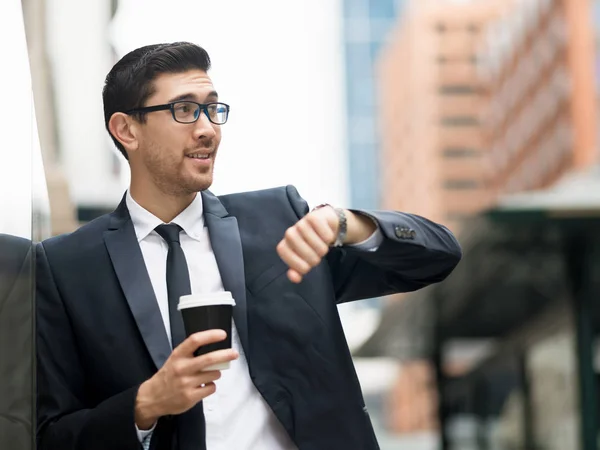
(128, 262)
(227, 247)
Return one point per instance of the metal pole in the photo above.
(437, 359)
(579, 258)
(481, 399)
(528, 437)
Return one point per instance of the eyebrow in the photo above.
(193, 97)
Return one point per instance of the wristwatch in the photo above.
(342, 224)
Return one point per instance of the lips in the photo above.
(199, 156)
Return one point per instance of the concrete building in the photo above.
(542, 117)
(432, 100)
(480, 100)
(473, 112)
(433, 149)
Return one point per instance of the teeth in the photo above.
(199, 156)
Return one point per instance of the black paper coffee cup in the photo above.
(202, 312)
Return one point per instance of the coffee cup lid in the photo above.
(210, 299)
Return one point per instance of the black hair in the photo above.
(131, 80)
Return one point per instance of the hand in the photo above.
(181, 383)
(307, 242)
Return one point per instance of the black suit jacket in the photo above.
(100, 332)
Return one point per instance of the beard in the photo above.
(171, 175)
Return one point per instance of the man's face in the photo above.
(169, 151)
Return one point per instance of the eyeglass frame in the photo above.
(171, 106)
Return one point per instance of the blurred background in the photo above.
(481, 115)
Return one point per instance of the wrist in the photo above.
(146, 410)
(360, 228)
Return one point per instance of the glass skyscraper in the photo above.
(366, 26)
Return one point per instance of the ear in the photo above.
(125, 130)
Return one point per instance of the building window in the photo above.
(382, 10)
(461, 184)
(473, 28)
(460, 152)
(458, 89)
(460, 121)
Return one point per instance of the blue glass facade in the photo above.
(367, 24)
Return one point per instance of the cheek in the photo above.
(165, 147)
(217, 135)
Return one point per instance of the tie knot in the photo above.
(169, 232)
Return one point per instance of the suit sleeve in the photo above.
(65, 420)
(414, 253)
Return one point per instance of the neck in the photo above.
(164, 206)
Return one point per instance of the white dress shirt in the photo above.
(236, 415)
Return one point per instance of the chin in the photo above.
(200, 185)
(189, 183)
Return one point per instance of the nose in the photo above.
(204, 128)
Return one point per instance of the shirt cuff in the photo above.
(372, 243)
(144, 434)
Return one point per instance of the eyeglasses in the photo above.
(189, 112)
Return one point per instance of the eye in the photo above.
(182, 108)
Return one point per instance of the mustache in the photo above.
(207, 144)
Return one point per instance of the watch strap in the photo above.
(342, 228)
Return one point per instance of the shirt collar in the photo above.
(191, 219)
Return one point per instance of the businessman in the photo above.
(115, 369)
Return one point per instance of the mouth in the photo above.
(200, 155)
(201, 160)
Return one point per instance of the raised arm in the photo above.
(411, 251)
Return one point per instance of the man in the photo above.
(107, 378)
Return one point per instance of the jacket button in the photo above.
(400, 232)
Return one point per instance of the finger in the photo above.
(296, 242)
(206, 377)
(312, 238)
(191, 344)
(294, 276)
(291, 258)
(201, 392)
(321, 227)
(195, 377)
(216, 357)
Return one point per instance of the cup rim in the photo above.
(208, 299)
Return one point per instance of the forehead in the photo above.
(195, 83)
